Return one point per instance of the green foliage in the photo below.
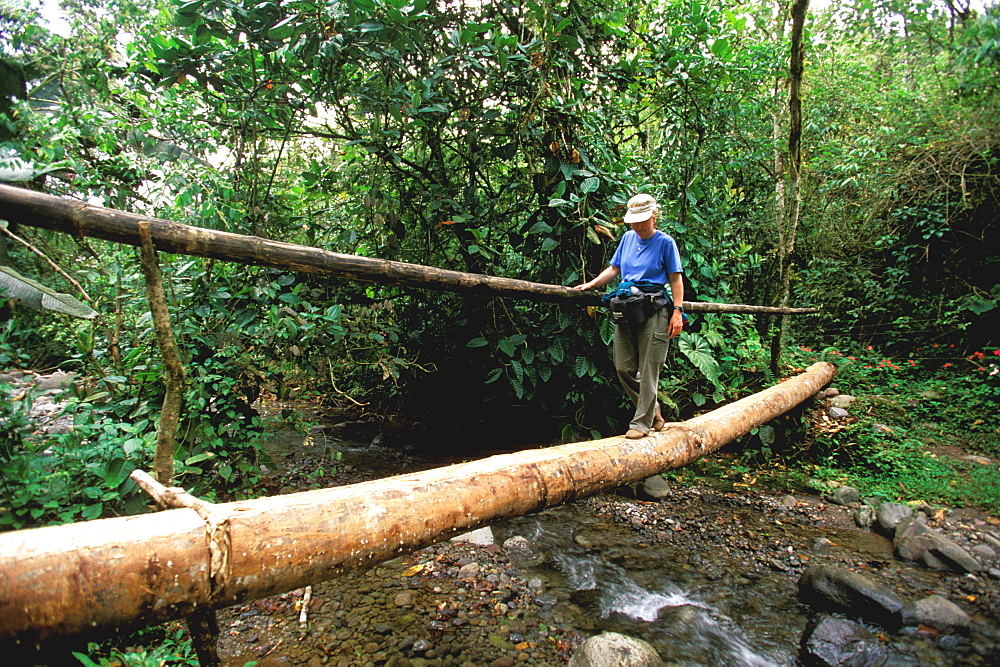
(166, 646)
(79, 475)
(11, 354)
(900, 467)
(911, 424)
(500, 139)
(904, 177)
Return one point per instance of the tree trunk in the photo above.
(787, 210)
(80, 219)
(99, 575)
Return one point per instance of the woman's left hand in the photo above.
(676, 324)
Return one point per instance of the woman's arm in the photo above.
(677, 292)
(602, 279)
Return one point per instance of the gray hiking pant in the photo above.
(638, 359)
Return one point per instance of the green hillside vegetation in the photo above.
(504, 139)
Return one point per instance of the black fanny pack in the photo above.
(633, 310)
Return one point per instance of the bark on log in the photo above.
(36, 209)
(100, 575)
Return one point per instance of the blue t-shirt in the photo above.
(650, 260)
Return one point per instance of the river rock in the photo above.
(821, 545)
(845, 495)
(654, 488)
(521, 552)
(611, 648)
(939, 613)
(916, 542)
(789, 501)
(56, 381)
(828, 587)
(830, 392)
(983, 551)
(482, 536)
(891, 514)
(842, 401)
(865, 516)
(517, 544)
(990, 539)
(835, 642)
(468, 571)
(837, 413)
(981, 460)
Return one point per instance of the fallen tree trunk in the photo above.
(101, 575)
(36, 209)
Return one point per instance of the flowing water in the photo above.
(605, 583)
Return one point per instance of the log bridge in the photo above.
(97, 577)
(100, 576)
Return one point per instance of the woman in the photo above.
(647, 261)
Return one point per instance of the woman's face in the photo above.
(645, 228)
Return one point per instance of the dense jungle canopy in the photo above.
(489, 137)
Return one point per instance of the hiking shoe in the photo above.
(634, 434)
(658, 422)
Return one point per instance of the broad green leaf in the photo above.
(540, 227)
(15, 286)
(698, 352)
(477, 342)
(16, 170)
(132, 445)
(720, 48)
(507, 346)
(556, 351)
(980, 306)
(590, 185)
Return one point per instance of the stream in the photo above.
(705, 577)
(608, 582)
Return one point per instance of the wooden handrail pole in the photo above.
(37, 209)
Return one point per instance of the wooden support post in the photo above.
(98, 575)
(174, 376)
(202, 623)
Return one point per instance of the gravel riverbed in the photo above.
(738, 554)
